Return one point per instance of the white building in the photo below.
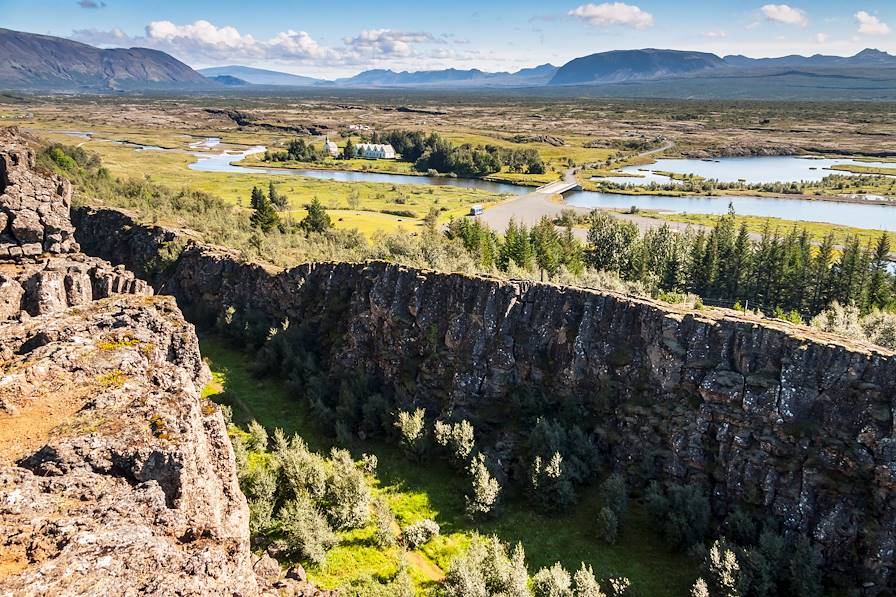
(375, 151)
(331, 148)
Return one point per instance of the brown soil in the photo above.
(35, 417)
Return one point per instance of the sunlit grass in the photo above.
(433, 490)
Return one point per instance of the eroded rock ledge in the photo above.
(116, 477)
(789, 422)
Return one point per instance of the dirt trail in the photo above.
(429, 569)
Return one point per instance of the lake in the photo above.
(857, 215)
(753, 170)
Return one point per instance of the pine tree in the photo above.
(317, 220)
(264, 215)
(348, 152)
(879, 294)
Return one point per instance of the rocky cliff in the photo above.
(779, 419)
(116, 478)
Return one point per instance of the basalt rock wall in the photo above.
(789, 422)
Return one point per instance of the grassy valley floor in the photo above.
(433, 490)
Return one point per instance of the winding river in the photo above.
(755, 169)
(848, 214)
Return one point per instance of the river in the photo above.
(858, 215)
(752, 170)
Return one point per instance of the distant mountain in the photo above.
(31, 61)
(229, 80)
(451, 77)
(260, 76)
(633, 65)
(868, 58)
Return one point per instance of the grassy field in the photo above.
(432, 490)
(363, 202)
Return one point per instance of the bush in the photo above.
(384, 536)
(304, 473)
(805, 569)
(458, 438)
(306, 530)
(552, 582)
(347, 498)
(258, 437)
(722, 571)
(412, 430)
(586, 584)
(614, 495)
(683, 515)
(551, 488)
(608, 525)
(485, 490)
(419, 533)
(485, 569)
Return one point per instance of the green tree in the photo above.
(485, 491)
(279, 201)
(348, 152)
(412, 431)
(552, 582)
(317, 220)
(879, 292)
(264, 216)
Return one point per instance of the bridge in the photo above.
(559, 187)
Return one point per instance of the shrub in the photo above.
(608, 525)
(412, 430)
(384, 535)
(419, 533)
(722, 571)
(303, 472)
(306, 530)
(586, 584)
(458, 438)
(619, 586)
(258, 437)
(683, 515)
(805, 569)
(614, 495)
(485, 490)
(347, 498)
(485, 569)
(552, 582)
(552, 490)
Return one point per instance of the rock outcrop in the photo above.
(116, 477)
(788, 422)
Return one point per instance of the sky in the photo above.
(340, 38)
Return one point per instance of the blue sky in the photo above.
(339, 38)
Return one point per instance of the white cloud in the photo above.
(821, 38)
(782, 13)
(870, 24)
(113, 37)
(715, 34)
(203, 42)
(616, 13)
(387, 42)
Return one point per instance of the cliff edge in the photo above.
(116, 477)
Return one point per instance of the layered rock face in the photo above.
(116, 477)
(41, 268)
(781, 420)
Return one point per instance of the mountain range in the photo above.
(41, 62)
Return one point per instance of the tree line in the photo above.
(783, 272)
(435, 152)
